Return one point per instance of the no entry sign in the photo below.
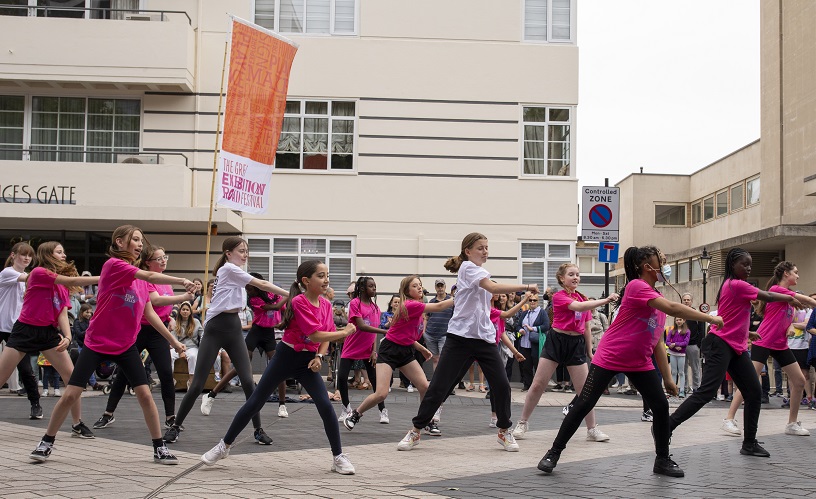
(600, 208)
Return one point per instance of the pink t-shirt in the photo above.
(564, 318)
(261, 317)
(360, 344)
(495, 318)
(407, 330)
(164, 311)
(735, 309)
(777, 320)
(308, 319)
(119, 308)
(44, 299)
(630, 341)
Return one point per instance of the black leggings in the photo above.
(343, 370)
(159, 350)
(286, 363)
(646, 382)
(129, 363)
(26, 374)
(719, 359)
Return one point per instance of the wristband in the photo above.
(319, 356)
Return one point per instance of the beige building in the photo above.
(721, 206)
(409, 125)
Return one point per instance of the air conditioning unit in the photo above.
(142, 17)
(140, 159)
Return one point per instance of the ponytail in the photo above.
(632, 260)
(229, 244)
(304, 270)
(778, 273)
(452, 264)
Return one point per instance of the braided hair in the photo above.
(730, 260)
(253, 292)
(633, 258)
(778, 274)
(360, 286)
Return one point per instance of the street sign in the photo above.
(608, 252)
(601, 208)
(705, 308)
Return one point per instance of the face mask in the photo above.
(666, 271)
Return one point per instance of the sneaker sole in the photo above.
(165, 461)
(334, 469)
(349, 428)
(79, 435)
(590, 439)
(35, 417)
(680, 474)
(746, 453)
(39, 459)
(406, 448)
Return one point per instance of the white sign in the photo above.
(600, 208)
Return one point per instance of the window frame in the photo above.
(759, 198)
(546, 124)
(713, 208)
(546, 260)
(741, 186)
(325, 257)
(699, 205)
(669, 203)
(332, 12)
(717, 194)
(573, 17)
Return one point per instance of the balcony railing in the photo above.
(89, 13)
(86, 156)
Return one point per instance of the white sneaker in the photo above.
(44, 393)
(342, 465)
(796, 429)
(521, 429)
(730, 427)
(596, 435)
(384, 417)
(345, 413)
(410, 388)
(615, 385)
(505, 438)
(57, 392)
(551, 383)
(282, 412)
(565, 410)
(437, 417)
(220, 451)
(493, 422)
(622, 388)
(721, 397)
(206, 404)
(409, 441)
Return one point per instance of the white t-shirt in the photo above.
(471, 315)
(11, 298)
(228, 290)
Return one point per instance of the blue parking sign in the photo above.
(608, 252)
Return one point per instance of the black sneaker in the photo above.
(80, 430)
(104, 421)
(172, 434)
(548, 462)
(765, 400)
(36, 411)
(461, 385)
(351, 420)
(171, 422)
(433, 429)
(262, 438)
(162, 455)
(665, 466)
(22, 392)
(754, 449)
(42, 451)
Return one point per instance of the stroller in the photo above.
(108, 371)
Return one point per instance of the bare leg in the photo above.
(413, 371)
(546, 368)
(70, 398)
(61, 361)
(796, 383)
(384, 373)
(151, 413)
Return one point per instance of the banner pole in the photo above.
(212, 186)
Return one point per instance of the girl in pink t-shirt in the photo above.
(772, 341)
(628, 345)
(308, 326)
(397, 348)
(122, 300)
(569, 343)
(365, 315)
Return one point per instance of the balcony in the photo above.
(115, 50)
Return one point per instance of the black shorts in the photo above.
(565, 349)
(33, 339)
(800, 354)
(784, 357)
(129, 363)
(263, 337)
(395, 355)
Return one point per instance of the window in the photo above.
(708, 209)
(683, 268)
(540, 261)
(722, 203)
(670, 214)
(12, 113)
(696, 271)
(547, 20)
(277, 258)
(752, 191)
(586, 264)
(696, 213)
(547, 141)
(325, 17)
(317, 135)
(736, 197)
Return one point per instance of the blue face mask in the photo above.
(665, 273)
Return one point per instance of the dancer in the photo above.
(153, 259)
(773, 342)
(627, 346)
(471, 336)
(266, 315)
(724, 349)
(397, 348)
(122, 300)
(569, 343)
(308, 328)
(222, 329)
(12, 289)
(363, 313)
(497, 317)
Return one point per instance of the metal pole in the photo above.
(704, 286)
(606, 270)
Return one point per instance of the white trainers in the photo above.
(220, 451)
(345, 413)
(410, 441)
(384, 417)
(796, 429)
(437, 417)
(493, 422)
(596, 435)
(342, 465)
(206, 404)
(410, 388)
(730, 427)
(521, 429)
(505, 438)
(57, 392)
(282, 412)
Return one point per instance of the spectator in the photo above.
(530, 323)
(436, 324)
(677, 338)
(697, 333)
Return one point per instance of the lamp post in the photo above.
(705, 261)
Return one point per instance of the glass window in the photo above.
(683, 271)
(540, 262)
(696, 213)
(547, 20)
(669, 214)
(737, 201)
(547, 141)
(321, 137)
(752, 191)
(585, 264)
(327, 17)
(696, 271)
(708, 208)
(277, 258)
(722, 203)
(12, 115)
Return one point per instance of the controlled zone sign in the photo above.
(600, 207)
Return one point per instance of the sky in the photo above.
(670, 86)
